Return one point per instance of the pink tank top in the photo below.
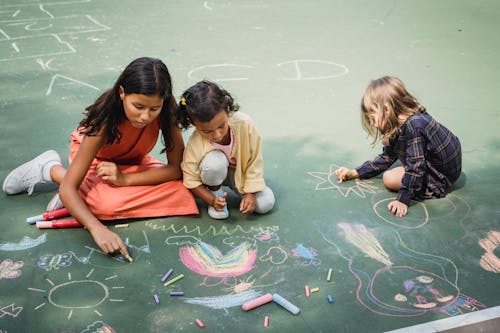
(227, 150)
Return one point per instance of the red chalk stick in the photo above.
(257, 302)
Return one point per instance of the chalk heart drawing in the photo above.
(416, 218)
(329, 181)
(74, 295)
(10, 269)
(489, 261)
(207, 260)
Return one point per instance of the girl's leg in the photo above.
(213, 168)
(26, 176)
(393, 178)
(57, 173)
(265, 201)
(213, 171)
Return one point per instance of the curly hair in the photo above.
(202, 102)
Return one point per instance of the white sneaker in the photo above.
(216, 214)
(25, 177)
(55, 203)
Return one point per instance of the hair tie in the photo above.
(183, 101)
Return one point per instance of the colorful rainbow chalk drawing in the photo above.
(10, 310)
(208, 261)
(25, 243)
(329, 181)
(416, 291)
(489, 261)
(10, 269)
(308, 253)
(84, 294)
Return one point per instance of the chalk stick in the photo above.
(175, 279)
(314, 290)
(329, 299)
(121, 225)
(252, 304)
(199, 323)
(329, 276)
(286, 304)
(266, 321)
(167, 274)
(176, 293)
(306, 287)
(157, 299)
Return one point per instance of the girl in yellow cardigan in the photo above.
(225, 149)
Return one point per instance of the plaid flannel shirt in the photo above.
(431, 156)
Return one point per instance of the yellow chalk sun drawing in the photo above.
(329, 181)
(80, 294)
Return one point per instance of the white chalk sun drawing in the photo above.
(329, 181)
(81, 294)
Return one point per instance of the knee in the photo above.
(213, 168)
(265, 201)
(392, 181)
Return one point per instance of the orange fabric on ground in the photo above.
(108, 202)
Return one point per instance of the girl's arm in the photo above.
(110, 172)
(381, 163)
(107, 240)
(204, 194)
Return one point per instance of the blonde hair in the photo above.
(387, 93)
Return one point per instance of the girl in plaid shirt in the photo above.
(430, 153)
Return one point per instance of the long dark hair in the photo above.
(202, 102)
(145, 76)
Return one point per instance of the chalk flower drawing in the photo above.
(307, 253)
(10, 269)
(329, 181)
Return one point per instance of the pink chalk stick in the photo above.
(257, 302)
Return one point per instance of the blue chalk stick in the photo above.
(286, 304)
(329, 299)
(157, 299)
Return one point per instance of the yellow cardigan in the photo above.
(247, 151)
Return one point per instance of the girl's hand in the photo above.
(397, 208)
(344, 173)
(108, 241)
(109, 172)
(219, 202)
(248, 203)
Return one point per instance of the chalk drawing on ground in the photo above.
(86, 293)
(312, 69)
(329, 181)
